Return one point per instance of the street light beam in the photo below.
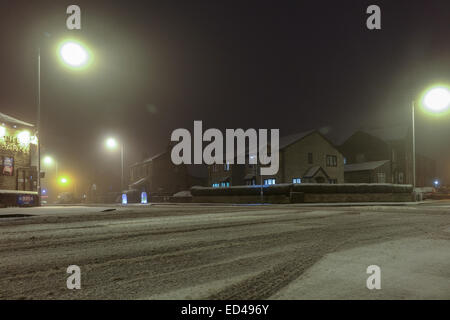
(74, 54)
(111, 143)
(437, 99)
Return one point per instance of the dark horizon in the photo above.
(159, 66)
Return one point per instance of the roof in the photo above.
(388, 133)
(284, 142)
(155, 156)
(139, 182)
(288, 140)
(364, 166)
(148, 159)
(8, 119)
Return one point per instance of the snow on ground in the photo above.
(225, 252)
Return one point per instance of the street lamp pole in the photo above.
(121, 160)
(413, 145)
(38, 127)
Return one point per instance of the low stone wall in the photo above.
(358, 197)
(305, 193)
(241, 199)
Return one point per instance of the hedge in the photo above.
(304, 187)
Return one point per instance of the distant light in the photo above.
(48, 160)
(124, 199)
(44, 191)
(63, 180)
(144, 197)
(24, 137)
(436, 182)
(74, 54)
(111, 143)
(437, 99)
(2, 131)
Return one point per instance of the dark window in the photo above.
(310, 158)
(331, 161)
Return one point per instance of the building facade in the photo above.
(307, 157)
(392, 145)
(158, 176)
(18, 162)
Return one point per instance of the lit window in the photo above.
(269, 181)
(296, 180)
(215, 185)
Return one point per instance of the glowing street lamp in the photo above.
(74, 55)
(48, 160)
(112, 144)
(436, 100)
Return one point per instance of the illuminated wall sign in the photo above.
(25, 200)
(8, 166)
(11, 143)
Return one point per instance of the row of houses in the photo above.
(368, 156)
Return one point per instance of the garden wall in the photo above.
(304, 193)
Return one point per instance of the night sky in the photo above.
(160, 65)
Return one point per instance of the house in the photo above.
(393, 147)
(304, 157)
(158, 176)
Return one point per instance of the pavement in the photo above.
(176, 251)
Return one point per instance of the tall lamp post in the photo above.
(74, 55)
(112, 144)
(435, 100)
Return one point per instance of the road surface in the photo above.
(226, 252)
